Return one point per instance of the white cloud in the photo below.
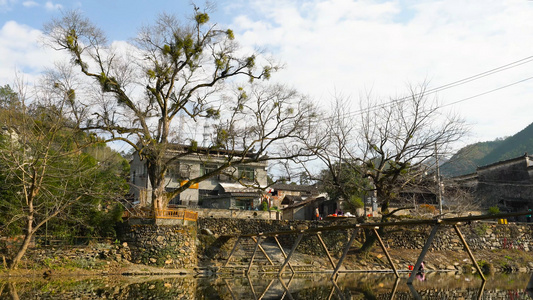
(356, 46)
(30, 4)
(21, 51)
(6, 5)
(50, 6)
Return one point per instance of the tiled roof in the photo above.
(294, 187)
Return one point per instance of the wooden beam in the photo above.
(298, 239)
(266, 289)
(263, 251)
(345, 252)
(387, 224)
(229, 288)
(415, 294)
(331, 292)
(393, 293)
(286, 287)
(232, 251)
(283, 253)
(251, 286)
(482, 288)
(423, 253)
(253, 254)
(337, 288)
(321, 241)
(386, 253)
(474, 262)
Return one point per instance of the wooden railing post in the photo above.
(423, 253)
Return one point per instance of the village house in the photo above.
(219, 191)
(305, 209)
(282, 195)
(506, 184)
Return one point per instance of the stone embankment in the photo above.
(498, 247)
(185, 247)
(479, 235)
(167, 246)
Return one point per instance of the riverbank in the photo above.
(112, 259)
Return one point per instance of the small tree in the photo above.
(178, 72)
(340, 180)
(45, 170)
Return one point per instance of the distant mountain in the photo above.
(468, 158)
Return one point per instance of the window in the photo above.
(174, 201)
(207, 193)
(207, 169)
(247, 173)
(178, 172)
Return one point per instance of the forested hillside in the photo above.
(468, 158)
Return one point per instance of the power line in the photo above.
(488, 92)
(454, 84)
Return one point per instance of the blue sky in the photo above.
(120, 18)
(332, 47)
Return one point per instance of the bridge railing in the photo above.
(172, 213)
(169, 213)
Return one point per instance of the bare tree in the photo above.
(43, 164)
(174, 70)
(391, 143)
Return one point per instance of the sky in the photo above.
(477, 54)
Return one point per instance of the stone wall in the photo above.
(334, 240)
(479, 235)
(159, 245)
(236, 214)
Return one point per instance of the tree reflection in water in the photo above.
(269, 286)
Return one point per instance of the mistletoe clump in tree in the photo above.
(184, 71)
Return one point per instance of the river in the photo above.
(269, 286)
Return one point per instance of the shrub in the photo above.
(493, 210)
(485, 267)
(481, 229)
(428, 208)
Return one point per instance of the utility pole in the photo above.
(439, 193)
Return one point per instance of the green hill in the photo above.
(511, 147)
(468, 158)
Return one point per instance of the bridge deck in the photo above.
(436, 223)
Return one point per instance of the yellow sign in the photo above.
(193, 186)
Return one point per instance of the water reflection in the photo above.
(269, 286)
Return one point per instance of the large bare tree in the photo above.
(391, 143)
(176, 70)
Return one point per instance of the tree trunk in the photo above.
(25, 244)
(369, 242)
(371, 238)
(156, 174)
(13, 291)
(158, 197)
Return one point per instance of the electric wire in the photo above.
(451, 85)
